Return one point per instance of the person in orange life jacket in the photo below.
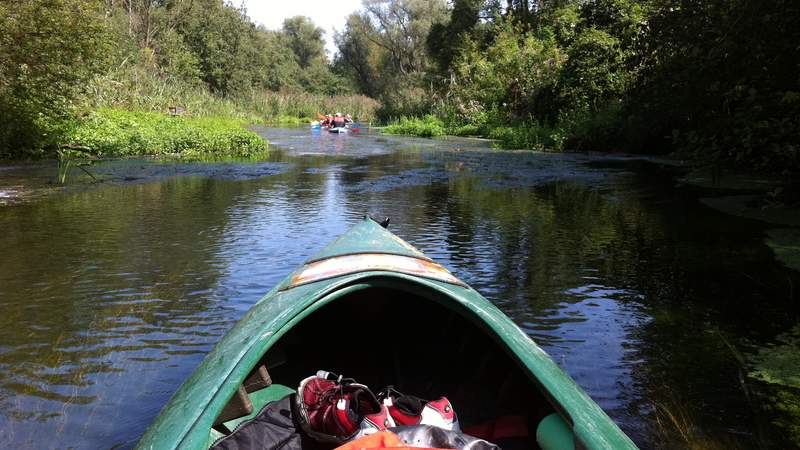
(339, 121)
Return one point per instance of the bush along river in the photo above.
(677, 318)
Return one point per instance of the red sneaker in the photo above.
(411, 410)
(336, 409)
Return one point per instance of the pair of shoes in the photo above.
(335, 409)
(411, 410)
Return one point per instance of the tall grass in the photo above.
(301, 105)
(136, 88)
(675, 424)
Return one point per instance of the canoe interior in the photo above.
(393, 336)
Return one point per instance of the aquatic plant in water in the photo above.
(108, 132)
(778, 367)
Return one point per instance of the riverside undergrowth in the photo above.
(523, 136)
(136, 88)
(110, 132)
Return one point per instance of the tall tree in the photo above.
(49, 50)
(445, 39)
(359, 55)
(305, 40)
(402, 30)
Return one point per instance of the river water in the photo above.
(112, 292)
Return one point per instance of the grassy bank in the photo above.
(110, 132)
(531, 137)
(124, 114)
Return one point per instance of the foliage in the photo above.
(108, 132)
(720, 79)
(529, 137)
(594, 73)
(48, 50)
(383, 51)
(427, 126)
(714, 80)
(504, 81)
(271, 105)
(465, 130)
(305, 40)
(779, 364)
(62, 58)
(213, 42)
(444, 39)
(779, 367)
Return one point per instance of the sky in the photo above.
(271, 13)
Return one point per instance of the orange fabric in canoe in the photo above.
(379, 440)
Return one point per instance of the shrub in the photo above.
(110, 132)
(530, 137)
(428, 126)
(465, 130)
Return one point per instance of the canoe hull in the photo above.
(187, 418)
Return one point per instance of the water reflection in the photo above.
(111, 296)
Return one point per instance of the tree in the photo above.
(49, 50)
(445, 39)
(305, 40)
(384, 50)
(359, 55)
(402, 30)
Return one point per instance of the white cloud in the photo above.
(328, 15)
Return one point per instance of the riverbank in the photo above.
(506, 136)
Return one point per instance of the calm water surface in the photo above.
(112, 294)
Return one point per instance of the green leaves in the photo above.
(49, 49)
(428, 126)
(122, 133)
(779, 366)
(780, 363)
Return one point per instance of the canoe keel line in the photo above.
(373, 307)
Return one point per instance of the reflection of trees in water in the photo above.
(680, 273)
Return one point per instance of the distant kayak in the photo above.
(349, 127)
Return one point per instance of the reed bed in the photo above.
(134, 88)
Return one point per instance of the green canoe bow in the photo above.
(186, 420)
